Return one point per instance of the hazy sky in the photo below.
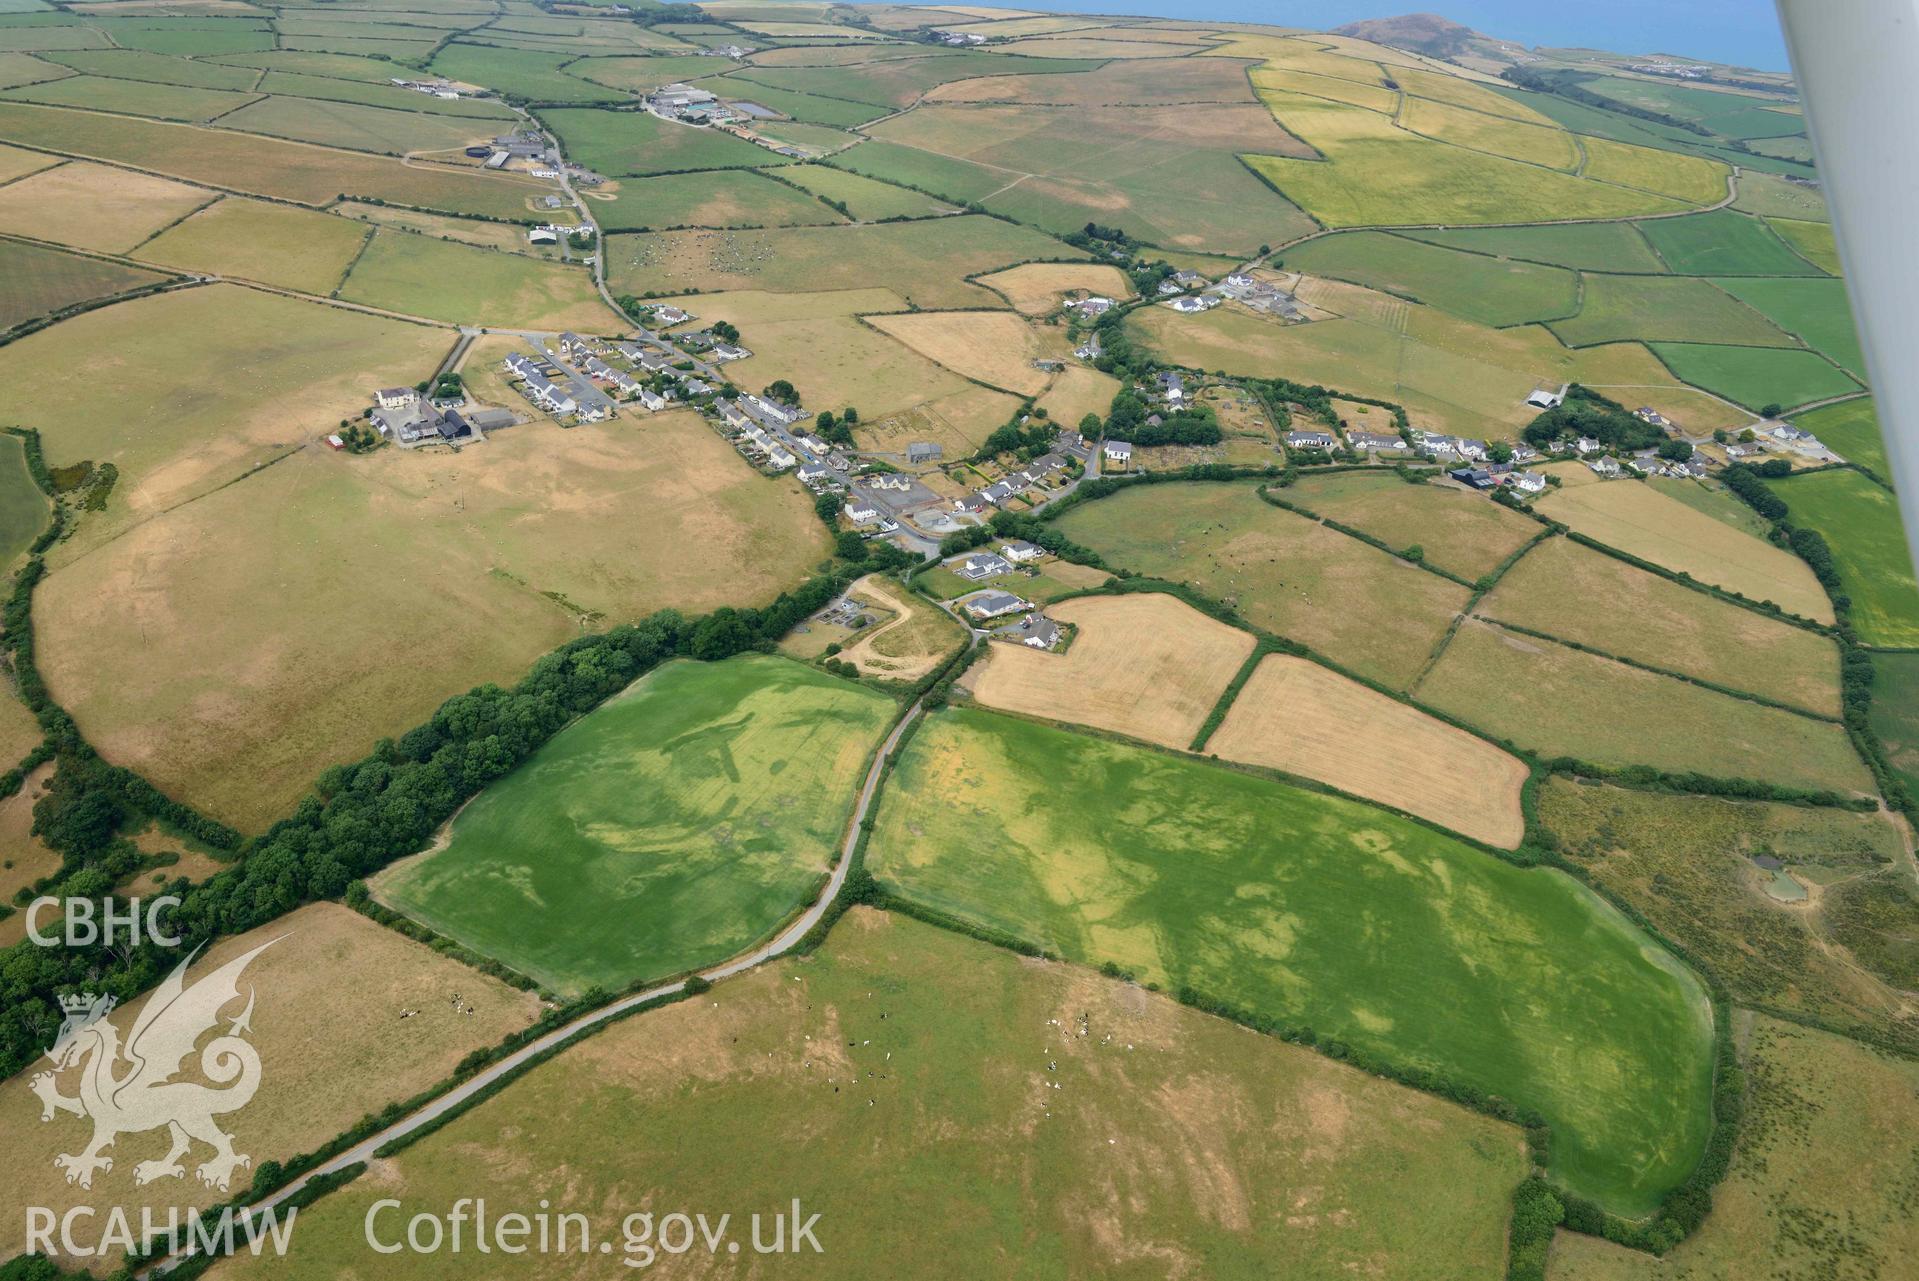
(1745, 32)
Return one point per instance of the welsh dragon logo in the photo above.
(130, 1089)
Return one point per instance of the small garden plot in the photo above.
(1144, 665)
(1595, 600)
(1756, 377)
(1723, 243)
(1558, 701)
(1296, 716)
(719, 198)
(1671, 308)
(671, 827)
(1493, 292)
(1645, 522)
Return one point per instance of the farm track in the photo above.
(559, 1037)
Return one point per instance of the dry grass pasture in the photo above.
(1037, 288)
(255, 240)
(909, 645)
(994, 347)
(1145, 665)
(332, 1045)
(1458, 531)
(390, 582)
(1581, 595)
(93, 207)
(219, 380)
(1295, 715)
(1162, 1141)
(1367, 611)
(1642, 521)
(24, 858)
(1077, 391)
(1561, 702)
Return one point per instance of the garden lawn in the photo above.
(669, 828)
(1314, 911)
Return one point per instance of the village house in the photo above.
(1044, 466)
(1189, 279)
(1172, 388)
(1540, 398)
(1313, 440)
(1035, 631)
(1586, 445)
(816, 475)
(1373, 441)
(1089, 350)
(537, 387)
(889, 480)
(1647, 414)
(1021, 552)
(1606, 467)
(1090, 307)
(861, 511)
(1738, 450)
(994, 605)
(395, 397)
(980, 565)
(975, 502)
(1118, 452)
(725, 351)
(1168, 287)
(1528, 482)
(664, 315)
(1190, 303)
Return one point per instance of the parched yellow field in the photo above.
(1535, 144)
(1039, 287)
(333, 1047)
(1458, 531)
(1643, 522)
(1297, 716)
(220, 379)
(1373, 97)
(993, 347)
(93, 207)
(26, 856)
(1694, 179)
(16, 162)
(961, 421)
(1077, 391)
(908, 646)
(1145, 665)
(232, 648)
(277, 244)
(1578, 594)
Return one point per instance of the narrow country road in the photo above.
(781, 944)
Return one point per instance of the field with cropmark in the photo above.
(670, 828)
(255, 240)
(1457, 531)
(36, 282)
(1107, 852)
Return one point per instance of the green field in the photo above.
(924, 262)
(1664, 308)
(23, 508)
(1755, 376)
(808, 107)
(252, 239)
(1318, 912)
(1895, 713)
(1814, 310)
(360, 128)
(1730, 115)
(332, 66)
(1851, 429)
(896, 82)
(720, 198)
(1557, 701)
(442, 280)
(1812, 239)
(521, 73)
(626, 143)
(1355, 604)
(1774, 197)
(920, 1091)
(670, 828)
(188, 35)
(137, 64)
(133, 97)
(1723, 243)
(1860, 522)
(1685, 862)
(1490, 291)
(1456, 531)
(869, 199)
(953, 179)
(36, 281)
(293, 84)
(1589, 246)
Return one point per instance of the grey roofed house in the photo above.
(980, 565)
(1118, 450)
(1037, 631)
(993, 604)
(1045, 465)
(924, 451)
(1020, 550)
(1374, 440)
(1310, 439)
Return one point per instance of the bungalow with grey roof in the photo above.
(1118, 451)
(1021, 552)
(991, 604)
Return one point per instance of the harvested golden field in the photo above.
(1116, 84)
(993, 347)
(1578, 594)
(1077, 391)
(24, 858)
(1656, 527)
(1037, 288)
(94, 207)
(1297, 716)
(15, 163)
(1145, 665)
(1458, 531)
(220, 379)
(960, 421)
(1558, 701)
(232, 648)
(330, 990)
(912, 643)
